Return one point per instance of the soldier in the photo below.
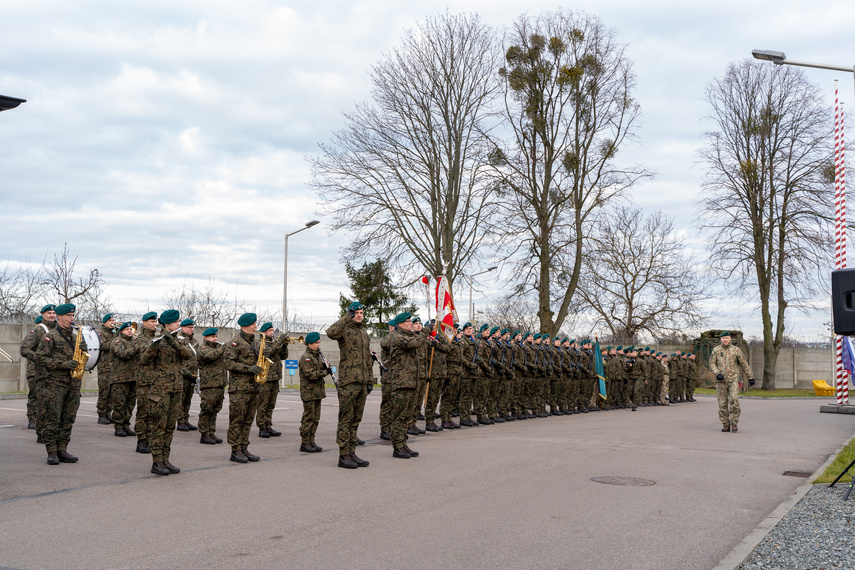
(437, 369)
(403, 371)
(145, 378)
(451, 388)
(106, 365)
(212, 385)
(691, 377)
(45, 322)
(385, 389)
(61, 391)
(424, 356)
(635, 374)
(165, 356)
(356, 377)
(124, 386)
(189, 375)
(469, 374)
(726, 361)
(663, 390)
(313, 370)
(241, 360)
(482, 384)
(587, 378)
(675, 373)
(277, 351)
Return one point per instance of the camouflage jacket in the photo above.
(454, 359)
(190, 367)
(29, 346)
(355, 364)
(691, 370)
(277, 351)
(519, 354)
(423, 353)
(403, 358)
(384, 354)
(632, 370)
(240, 355)
(54, 355)
(125, 351)
(165, 361)
(665, 370)
(145, 370)
(106, 359)
(312, 374)
(438, 369)
(485, 350)
(469, 357)
(728, 361)
(212, 369)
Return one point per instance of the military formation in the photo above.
(482, 377)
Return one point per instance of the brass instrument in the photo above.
(263, 362)
(80, 357)
(5, 355)
(295, 340)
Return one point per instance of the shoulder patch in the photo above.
(116, 341)
(234, 344)
(32, 331)
(47, 338)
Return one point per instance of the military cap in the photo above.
(467, 325)
(536, 336)
(565, 339)
(391, 323)
(457, 326)
(210, 331)
(609, 347)
(187, 323)
(544, 337)
(504, 332)
(586, 341)
(149, 315)
(355, 306)
(724, 333)
(647, 348)
(416, 320)
(682, 354)
(265, 326)
(401, 317)
(106, 318)
(313, 337)
(47, 308)
(691, 354)
(526, 334)
(65, 308)
(515, 334)
(619, 348)
(494, 330)
(39, 319)
(484, 327)
(572, 341)
(125, 325)
(247, 319)
(169, 316)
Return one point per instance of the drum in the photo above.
(93, 345)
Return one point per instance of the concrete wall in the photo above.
(796, 367)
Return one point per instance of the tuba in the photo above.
(263, 362)
(80, 357)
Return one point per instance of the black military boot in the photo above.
(385, 435)
(412, 430)
(238, 456)
(190, 426)
(66, 457)
(449, 425)
(345, 462)
(410, 451)
(182, 427)
(120, 432)
(317, 447)
(399, 453)
(359, 462)
(251, 456)
(39, 438)
(52, 459)
(172, 468)
(31, 424)
(129, 431)
(159, 469)
(217, 439)
(273, 432)
(142, 446)
(432, 427)
(263, 433)
(207, 439)
(103, 420)
(307, 448)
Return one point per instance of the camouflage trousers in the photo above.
(434, 391)
(103, 404)
(663, 391)
(402, 405)
(493, 395)
(123, 398)
(242, 406)
(141, 423)
(728, 402)
(450, 395)
(637, 391)
(266, 403)
(60, 403)
(464, 398)
(163, 412)
(351, 405)
(186, 397)
(211, 404)
(586, 391)
(310, 420)
(39, 405)
(32, 398)
(690, 388)
(418, 400)
(385, 405)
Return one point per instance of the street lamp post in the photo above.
(780, 58)
(7, 102)
(285, 279)
(471, 277)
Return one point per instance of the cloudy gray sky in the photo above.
(167, 141)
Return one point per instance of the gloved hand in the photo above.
(70, 364)
(751, 381)
(719, 377)
(255, 369)
(370, 387)
(170, 339)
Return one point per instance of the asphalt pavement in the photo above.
(519, 494)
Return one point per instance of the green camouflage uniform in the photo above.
(480, 393)
(424, 362)
(123, 388)
(189, 377)
(728, 361)
(469, 377)
(61, 393)
(106, 370)
(635, 376)
(240, 355)
(666, 380)
(212, 384)
(277, 351)
(691, 378)
(35, 375)
(145, 378)
(355, 374)
(403, 373)
(385, 388)
(313, 370)
(451, 389)
(438, 375)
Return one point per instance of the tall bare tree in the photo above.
(64, 284)
(21, 289)
(206, 305)
(404, 173)
(569, 109)
(768, 201)
(636, 277)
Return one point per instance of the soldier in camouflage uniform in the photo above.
(241, 360)
(212, 385)
(189, 375)
(520, 373)
(469, 376)
(691, 377)
(675, 366)
(451, 389)
(587, 378)
(635, 375)
(45, 322)
(419, 397)
(530, 355)
(726, 361)
(145, 379)
(277, 351)
(355, 378)
(106, 366)
(403, 372)
(61, 397)
(313, 370)
(437, 369)
(124, 349)
(482, 381)
(165, 355)
(385, 389)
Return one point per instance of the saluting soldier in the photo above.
(45, 322)
(277, 351)
(61, 390)
(123, 388)
(145, 379)
(189, 375)
(212, 385)
(403, 371)
(726, 361)
(313, 370)
(241, 360)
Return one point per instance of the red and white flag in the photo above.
(446, 314)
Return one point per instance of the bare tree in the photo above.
(768, 203)
(63, 285)
(404, 173)
(20, 290)
(513, 312)
(636, 277)
(206, 305)
(569, 108)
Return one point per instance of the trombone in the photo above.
(8, 357)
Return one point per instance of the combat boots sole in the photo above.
(238, 457)
(65, 457)
(159, 469)
(397, 453)
(345, 462)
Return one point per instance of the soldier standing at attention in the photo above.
(313, 370)
(145, 378)
(277, 351)
(440, 347)
(424, 356)
(403, 371)
(61, 391)
(468, 379)
(385, 389)
(189, 375)
(45, 322)
(726, 361)
(241, 360)
(106, 365)
(451, 387)
(166, 356)
(635, 374)
(691, 377)
(212, 384)
(123, 388)
(354, 379)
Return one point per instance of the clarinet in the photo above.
(329, 369)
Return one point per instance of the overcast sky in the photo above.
(167, 141)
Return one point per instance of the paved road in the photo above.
(506, 496)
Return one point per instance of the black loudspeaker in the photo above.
(843, 301)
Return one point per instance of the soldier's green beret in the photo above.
(536, 336)
(400, 318)
(494, 330)
(125, 325)
(391, 323)
(106, 318)
(355, 306)
(608, 347)
(484, 327)
(187, 323)
(169, 316)
(417, 320)
(544, 336)
(682, 354)
(619, 348)
(65, 309)
(526, 334)
(515, 334)
(572, 341)
(313, 337)
(39, 319)
(149, 315)
(504, 332)
(467, 325)
(647, 348)
(265, 326)
(565, 339)
(211, 331)
(247, 319)
(724, 333)
(47, 308)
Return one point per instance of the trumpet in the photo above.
(5, 355)
(295, 340)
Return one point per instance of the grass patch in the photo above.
(782, 393)
(843, 459)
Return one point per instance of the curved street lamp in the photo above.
(285, 280)
(7, 102)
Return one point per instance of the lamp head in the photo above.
(776, 57)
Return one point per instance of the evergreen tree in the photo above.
(372, 286)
